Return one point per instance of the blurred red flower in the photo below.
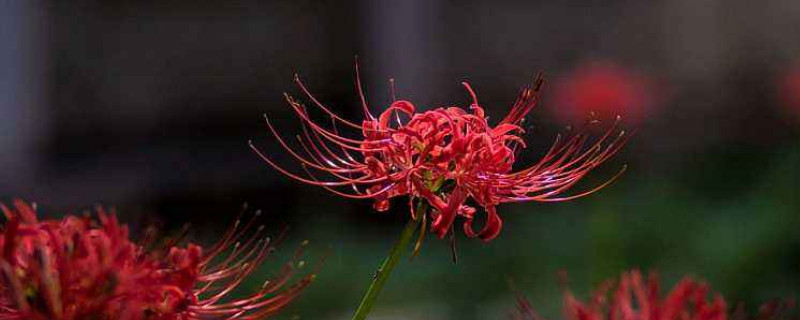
(789, 90)
(441, 158)
(605, 89)
(77, 268)
(639, 299)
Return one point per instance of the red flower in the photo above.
(77, 268)
(443, 156)
(602, 88)
(637, 299)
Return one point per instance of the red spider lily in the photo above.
(77, 268)
(604, 88)
(443, 156)
(637, 299)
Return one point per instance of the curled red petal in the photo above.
(490, 230)
(441, 224)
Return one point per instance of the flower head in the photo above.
(78, 268)
(638, 299)
(447, 158)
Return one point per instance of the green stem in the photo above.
(379, 280)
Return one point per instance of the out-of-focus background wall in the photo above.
(148, 106)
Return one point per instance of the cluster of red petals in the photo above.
(77, 268)
(445, 156)
(639, 299)
(604, 88)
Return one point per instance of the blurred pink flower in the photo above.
(444, 157)
(605, 89)
(77, 268)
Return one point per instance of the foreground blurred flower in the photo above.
(442, 157)
(602, 88)
(637, 299)
(77, 268)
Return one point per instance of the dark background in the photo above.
(148, 106)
